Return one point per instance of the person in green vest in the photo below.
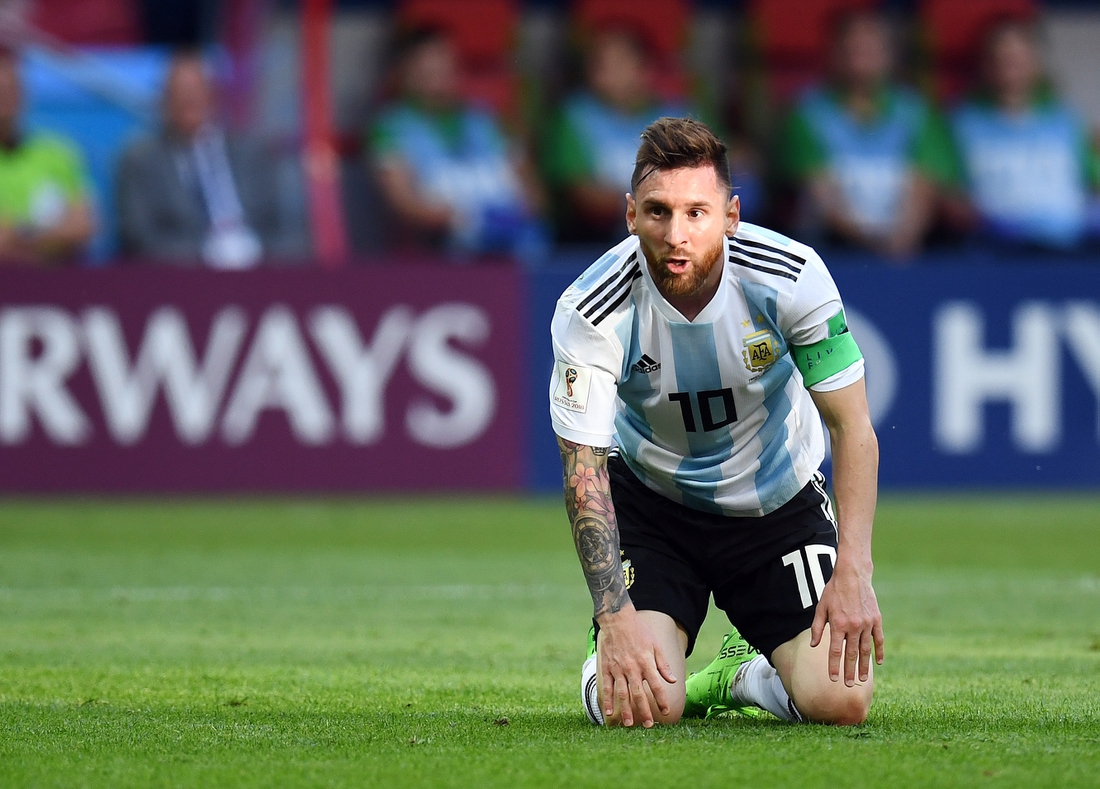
(868, 155)
(45, 210)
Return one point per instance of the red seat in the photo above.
(953, 32)
(103, 22)
(661, 24)
(793, 38)
(484, 30)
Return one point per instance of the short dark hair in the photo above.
(673, 143)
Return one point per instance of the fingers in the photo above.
(818, 626)
(880, 642)
(607, 693)
(851, 656)
(641, 704)
(836, 652)
(660, 695)
(864, 655)
(663, 665)
(622, 699)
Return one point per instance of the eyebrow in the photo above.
(654, 202)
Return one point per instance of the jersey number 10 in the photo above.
(706, 402)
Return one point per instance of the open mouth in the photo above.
(678, 265)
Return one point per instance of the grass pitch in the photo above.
(438, 643)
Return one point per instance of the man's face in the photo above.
(432, 73)
(680, 218)
(1012, 63)
(862, 55)
(11, 94)
(617, 71)
(187, 99)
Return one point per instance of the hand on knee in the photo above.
(675, 712)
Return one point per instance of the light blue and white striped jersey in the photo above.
(711, 413)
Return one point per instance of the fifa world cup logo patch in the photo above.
(572, 386)
(761, 351)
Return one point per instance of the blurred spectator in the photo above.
(1026, 164)
(866, 152)
(192, 192)
(445, 167)
(590, 150)
(45, 212)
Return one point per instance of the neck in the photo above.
(861, 100)
(1015, 101)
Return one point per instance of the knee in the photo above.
(835, 703)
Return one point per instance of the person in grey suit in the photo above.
(193, 194)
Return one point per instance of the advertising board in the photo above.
(159, 380)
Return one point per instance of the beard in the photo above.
(689, 282)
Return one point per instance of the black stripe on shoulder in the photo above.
(770, 248)
(797, 269)
(622, 297)
(748, 264)
(596, 291)
(621, 286)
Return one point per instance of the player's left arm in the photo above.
(848, 602)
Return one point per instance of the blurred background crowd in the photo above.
(245, 132)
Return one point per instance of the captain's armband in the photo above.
(830, 356)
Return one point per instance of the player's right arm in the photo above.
(630, 657)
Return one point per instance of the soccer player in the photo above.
(694, 362)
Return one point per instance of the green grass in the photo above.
(438, 643)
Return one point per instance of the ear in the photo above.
(733, 215)
(631, 215)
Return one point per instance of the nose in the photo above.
(676, 234)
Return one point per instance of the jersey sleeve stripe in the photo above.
(618, 301)
(623, 284)
(611, 279)
(770, 248)
(765, 269)
(766, 258)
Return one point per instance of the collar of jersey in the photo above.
(710, 312)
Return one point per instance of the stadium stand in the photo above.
(513, 49)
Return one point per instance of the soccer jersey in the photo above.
(712, 413)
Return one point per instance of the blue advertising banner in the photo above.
(977, 375)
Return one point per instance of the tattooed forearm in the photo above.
(592, 515)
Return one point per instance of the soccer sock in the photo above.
(756, 682)
(589, 695)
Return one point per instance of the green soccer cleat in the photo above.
(708, 691)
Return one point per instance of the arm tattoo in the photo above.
(595, 532)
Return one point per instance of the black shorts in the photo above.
(766, 572)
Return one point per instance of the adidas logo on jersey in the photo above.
(646, 365)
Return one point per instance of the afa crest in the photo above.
(628, 571)
(761, 351)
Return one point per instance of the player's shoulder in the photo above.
(602, 293)
(761, 255)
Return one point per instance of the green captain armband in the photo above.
(832, 355)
